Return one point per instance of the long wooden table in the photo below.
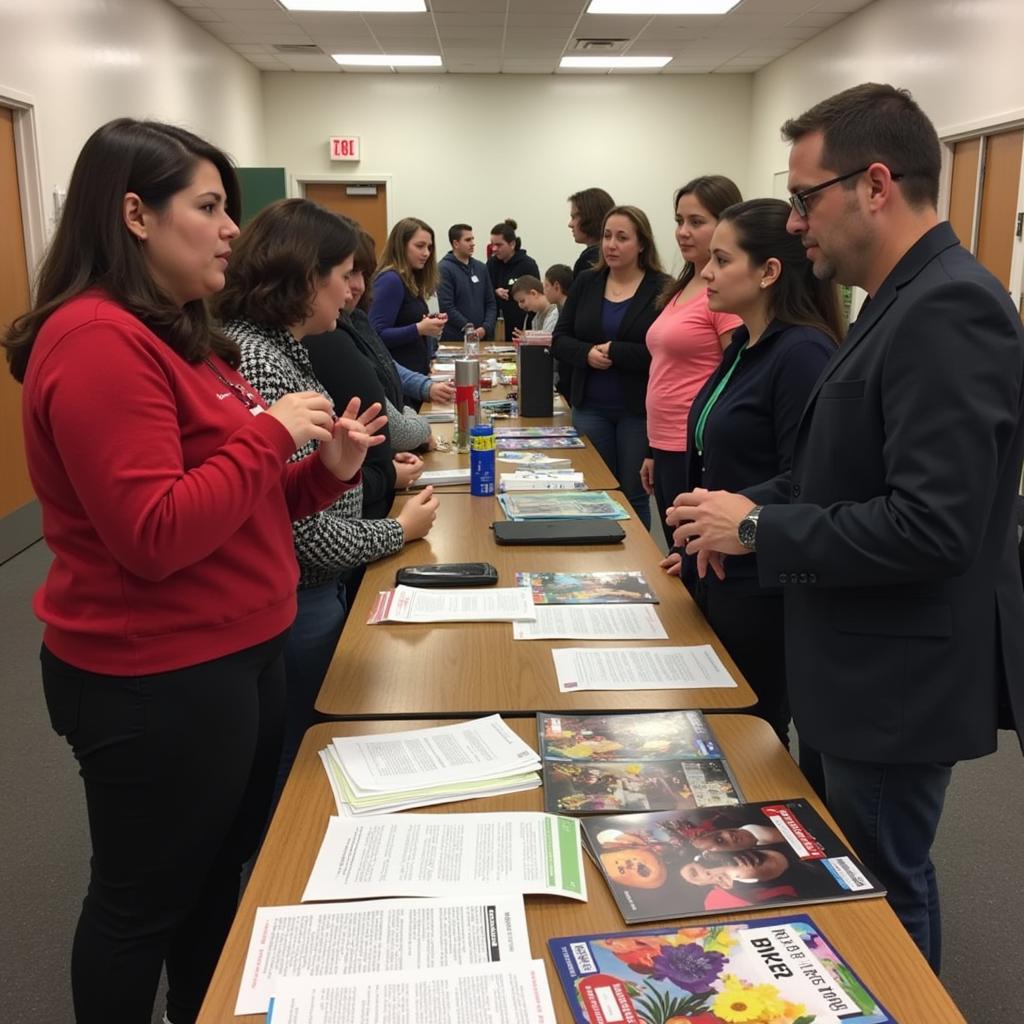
(865, 932)
(466, 669)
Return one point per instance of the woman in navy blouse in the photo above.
(602, 334)
(743, 422)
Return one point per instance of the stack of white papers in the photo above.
(330, 942)
(639, 668)
(592, 622)
(475, 604)
(392, 771)
(442, 477)
(542, 480)
(448, 855)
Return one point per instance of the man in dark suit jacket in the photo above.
(894, 534)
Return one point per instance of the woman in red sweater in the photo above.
(167, 502)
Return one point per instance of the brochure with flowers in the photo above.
(770, 971)
(671, 864)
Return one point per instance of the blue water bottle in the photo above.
(481, 460)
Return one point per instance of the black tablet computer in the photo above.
(559, 531)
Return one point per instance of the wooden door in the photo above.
(369, 211)
(997, 221)
(15, 488)
(963, 189)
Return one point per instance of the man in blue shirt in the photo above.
(464, 291)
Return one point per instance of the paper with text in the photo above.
(484, 604)
(639, 668)
(448, 855)
(324, 942)
(592, 622)
(485, 994)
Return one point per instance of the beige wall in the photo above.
(479, 148)
(83, 62)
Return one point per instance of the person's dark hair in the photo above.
(365, 262)
(507, 230)
(456, 231)
(526, 283)
(94, 248)
(797, 297)
(560, 274)
(873, 123)
(592, 205)
(278, 261)
(422, 283)
(648, 258)
(714, 192)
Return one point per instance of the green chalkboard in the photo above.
(260, 187)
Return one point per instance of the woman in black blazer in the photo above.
(602, 334)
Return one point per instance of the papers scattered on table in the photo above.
(448, 855)
(639, 668)
(378, 773)
(486, 604)
(592, 622)
(479, 994)
(535, 443)
(583, 505)
(541, 480)
(442, 477)
(442, 367)
(325, 943)
(535, 460)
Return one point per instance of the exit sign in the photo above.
(344, 147)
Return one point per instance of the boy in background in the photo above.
(528, 294)
(557, 281)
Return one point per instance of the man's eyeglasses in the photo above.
(798, 200)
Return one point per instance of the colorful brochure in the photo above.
(588, 587)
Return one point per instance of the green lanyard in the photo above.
(698, 434)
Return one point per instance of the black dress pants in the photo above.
(178, 770)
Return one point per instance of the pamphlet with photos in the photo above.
(562, 505)
(588, 587)
(651, 736)
(552, 431)
(781, 970)
(687, 863)
(535, 443)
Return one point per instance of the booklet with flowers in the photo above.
(779, 970)
(686, 863)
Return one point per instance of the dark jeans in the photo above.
(621, 440)
(890, 814)
(750, 625)
(670, 475)
(178, 770)
(307, 655)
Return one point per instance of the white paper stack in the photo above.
(470, 604)
(442, 477)
(377, 774)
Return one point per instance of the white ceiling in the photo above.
(517, 36)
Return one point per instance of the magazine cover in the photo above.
(594, 787)
(779, 970)
(686, 863)
(562, 505)
(504, 432)
(588, 587)
(651, 736)
(532, 443)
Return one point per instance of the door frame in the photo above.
(26, 145)
(948, 138)
(297, 180)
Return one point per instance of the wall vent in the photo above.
(600, 45)
(310, 48)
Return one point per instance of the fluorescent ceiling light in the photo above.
(360, 6)
(388, 60)
(661, 6)
(614, 62)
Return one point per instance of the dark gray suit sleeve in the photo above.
(949, 403)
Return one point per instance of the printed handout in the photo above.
(483, 994)
(483, 604)
(592, 622)
(639, 668)
(448, 855)
(323, 942)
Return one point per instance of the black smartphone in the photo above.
(448, 574)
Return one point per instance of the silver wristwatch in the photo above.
(747, 530)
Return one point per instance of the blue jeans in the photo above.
(890, 813)
(307, 655)
(621, 440)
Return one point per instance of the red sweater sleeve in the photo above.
(117, 412)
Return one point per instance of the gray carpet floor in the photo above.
(44, 853)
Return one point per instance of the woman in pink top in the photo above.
(686, 343)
